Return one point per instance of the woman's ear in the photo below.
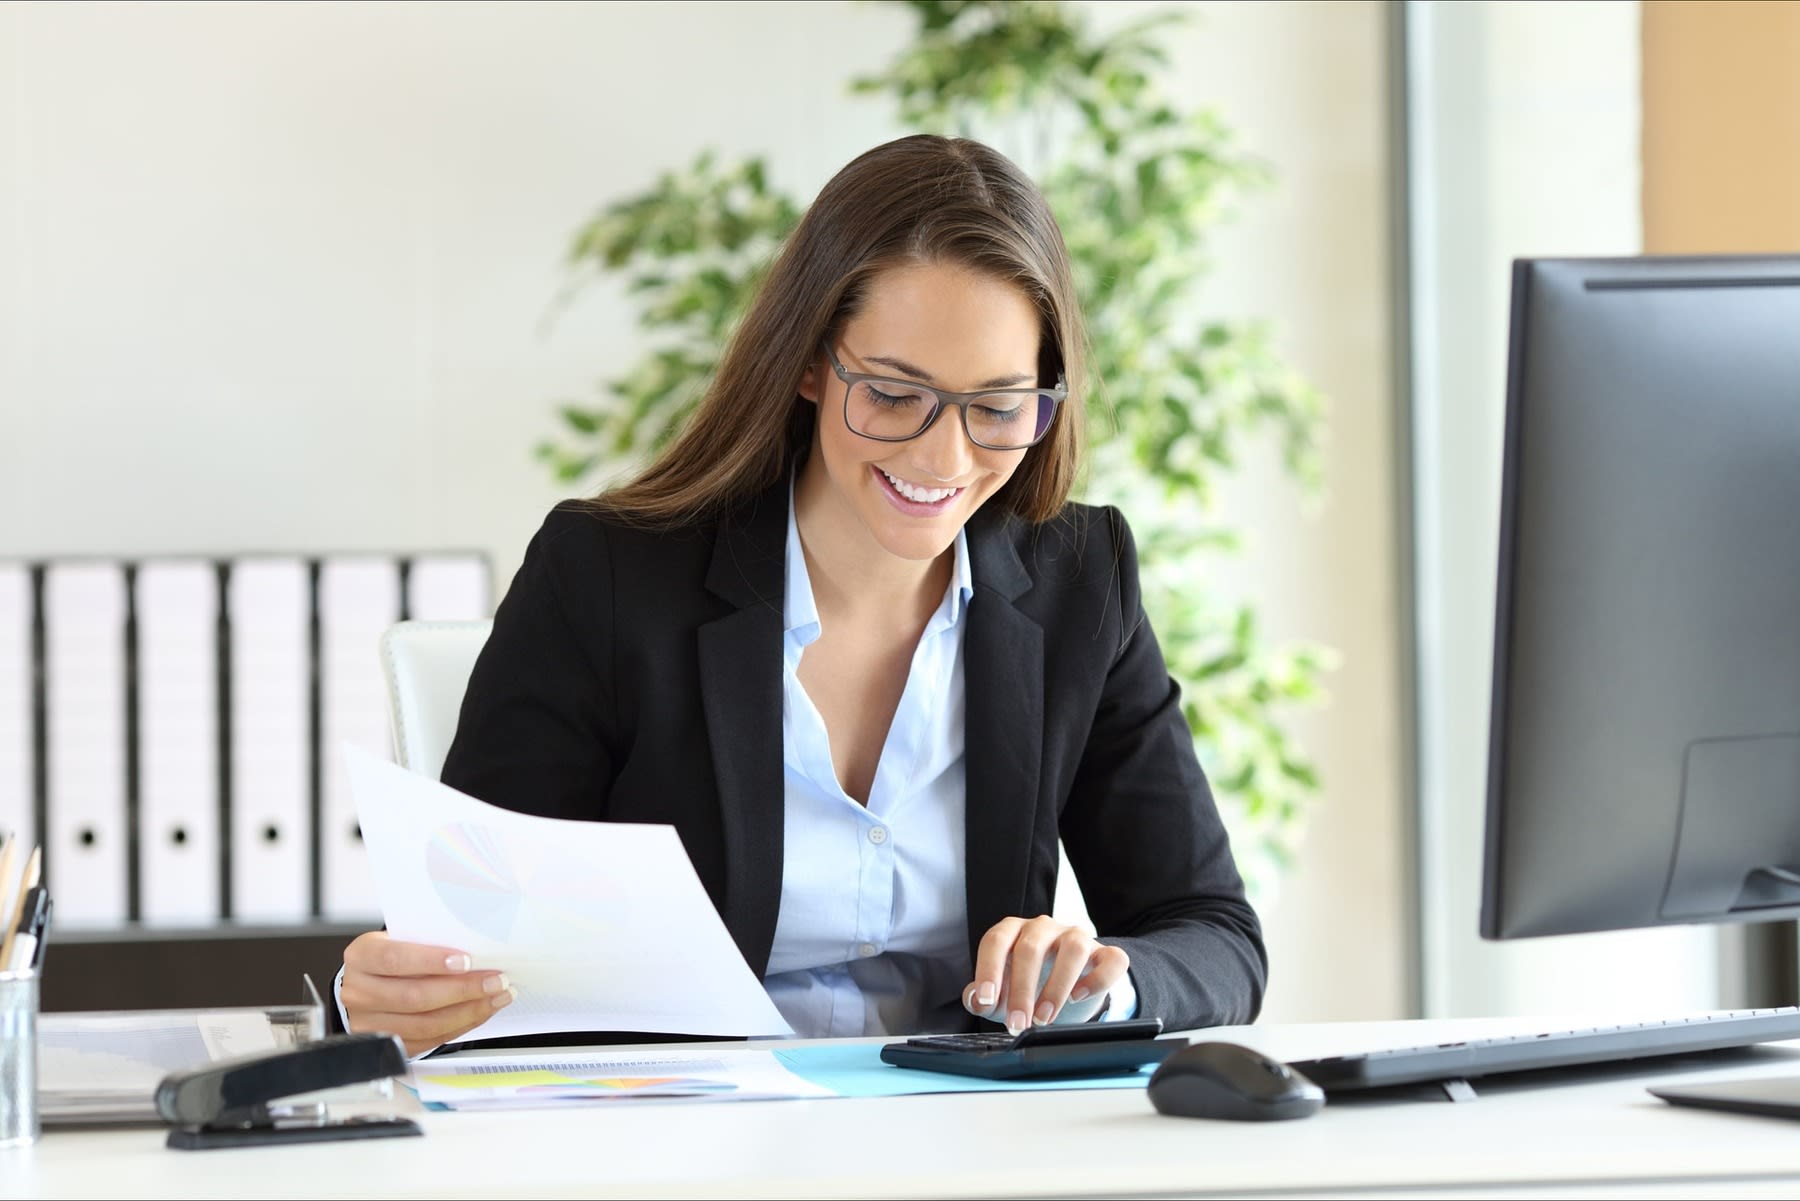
(809, 382)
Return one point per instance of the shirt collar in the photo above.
(800, 613)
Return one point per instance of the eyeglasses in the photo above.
(891, 410)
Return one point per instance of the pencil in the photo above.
(7, 854)
(27, 882)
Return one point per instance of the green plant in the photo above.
(1137, 185)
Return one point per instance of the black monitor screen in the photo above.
(1644, 762)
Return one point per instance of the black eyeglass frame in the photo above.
(959, 400)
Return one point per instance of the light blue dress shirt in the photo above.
(872, 936)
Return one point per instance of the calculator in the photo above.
(1083, 1049)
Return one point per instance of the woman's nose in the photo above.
(944, 449)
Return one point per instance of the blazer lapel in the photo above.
(1003, 658)
(740, 686)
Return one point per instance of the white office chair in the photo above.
(427, 665)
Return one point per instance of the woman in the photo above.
(847, 636)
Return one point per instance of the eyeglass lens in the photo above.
(890, 410)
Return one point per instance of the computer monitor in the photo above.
(1644, 758)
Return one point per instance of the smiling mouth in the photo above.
(916, 494)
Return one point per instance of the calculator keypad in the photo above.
(994, 1041)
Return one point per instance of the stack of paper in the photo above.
(104, 1067)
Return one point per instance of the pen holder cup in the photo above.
(18, 1058)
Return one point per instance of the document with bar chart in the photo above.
(586, 1078)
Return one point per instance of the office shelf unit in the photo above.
(170, 733)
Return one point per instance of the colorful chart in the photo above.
(536, 1082)
(468, 866)
(685, 1086)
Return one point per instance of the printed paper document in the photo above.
(599, 925)
(563, 1077)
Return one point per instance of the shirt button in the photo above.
(865, 949)
(878, 835)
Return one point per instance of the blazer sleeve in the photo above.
(535, 730)
(1146, 842)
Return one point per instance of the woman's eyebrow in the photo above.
(906, 368)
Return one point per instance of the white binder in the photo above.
(85, 847)
(18, 801)
(177, 605)
(359, 597)
(448, 587)
(269, 605)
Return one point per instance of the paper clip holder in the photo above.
(232, 1103)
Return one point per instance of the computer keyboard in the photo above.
(1554, 1049)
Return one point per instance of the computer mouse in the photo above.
(1226, 1080)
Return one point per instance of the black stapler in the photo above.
(232, 1103)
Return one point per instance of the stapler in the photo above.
(233, 1103)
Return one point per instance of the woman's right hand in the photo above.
(427, 995)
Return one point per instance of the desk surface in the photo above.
(1600, 1135)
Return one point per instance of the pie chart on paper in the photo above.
(468, 866)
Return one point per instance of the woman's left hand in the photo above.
(1027, 969)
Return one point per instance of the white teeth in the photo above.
(925, 496)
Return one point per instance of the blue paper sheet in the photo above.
(857, 1071)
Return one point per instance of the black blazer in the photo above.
(636, 676)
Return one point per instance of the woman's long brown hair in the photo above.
(920, 199)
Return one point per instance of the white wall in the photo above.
(280, 274)
(281, 277)
(1304, 86)
(1526, 125)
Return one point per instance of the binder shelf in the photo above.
(168, 728)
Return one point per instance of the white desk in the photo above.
(1597, 1137)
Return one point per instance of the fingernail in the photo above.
(984, 996)
(1044, 1010)
(503, 999)
(1080, 994)
(457, 963)
(495, 983)
(1016, 1021)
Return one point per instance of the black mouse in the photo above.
(1225, 1080)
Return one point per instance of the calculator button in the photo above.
(963, 1042)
